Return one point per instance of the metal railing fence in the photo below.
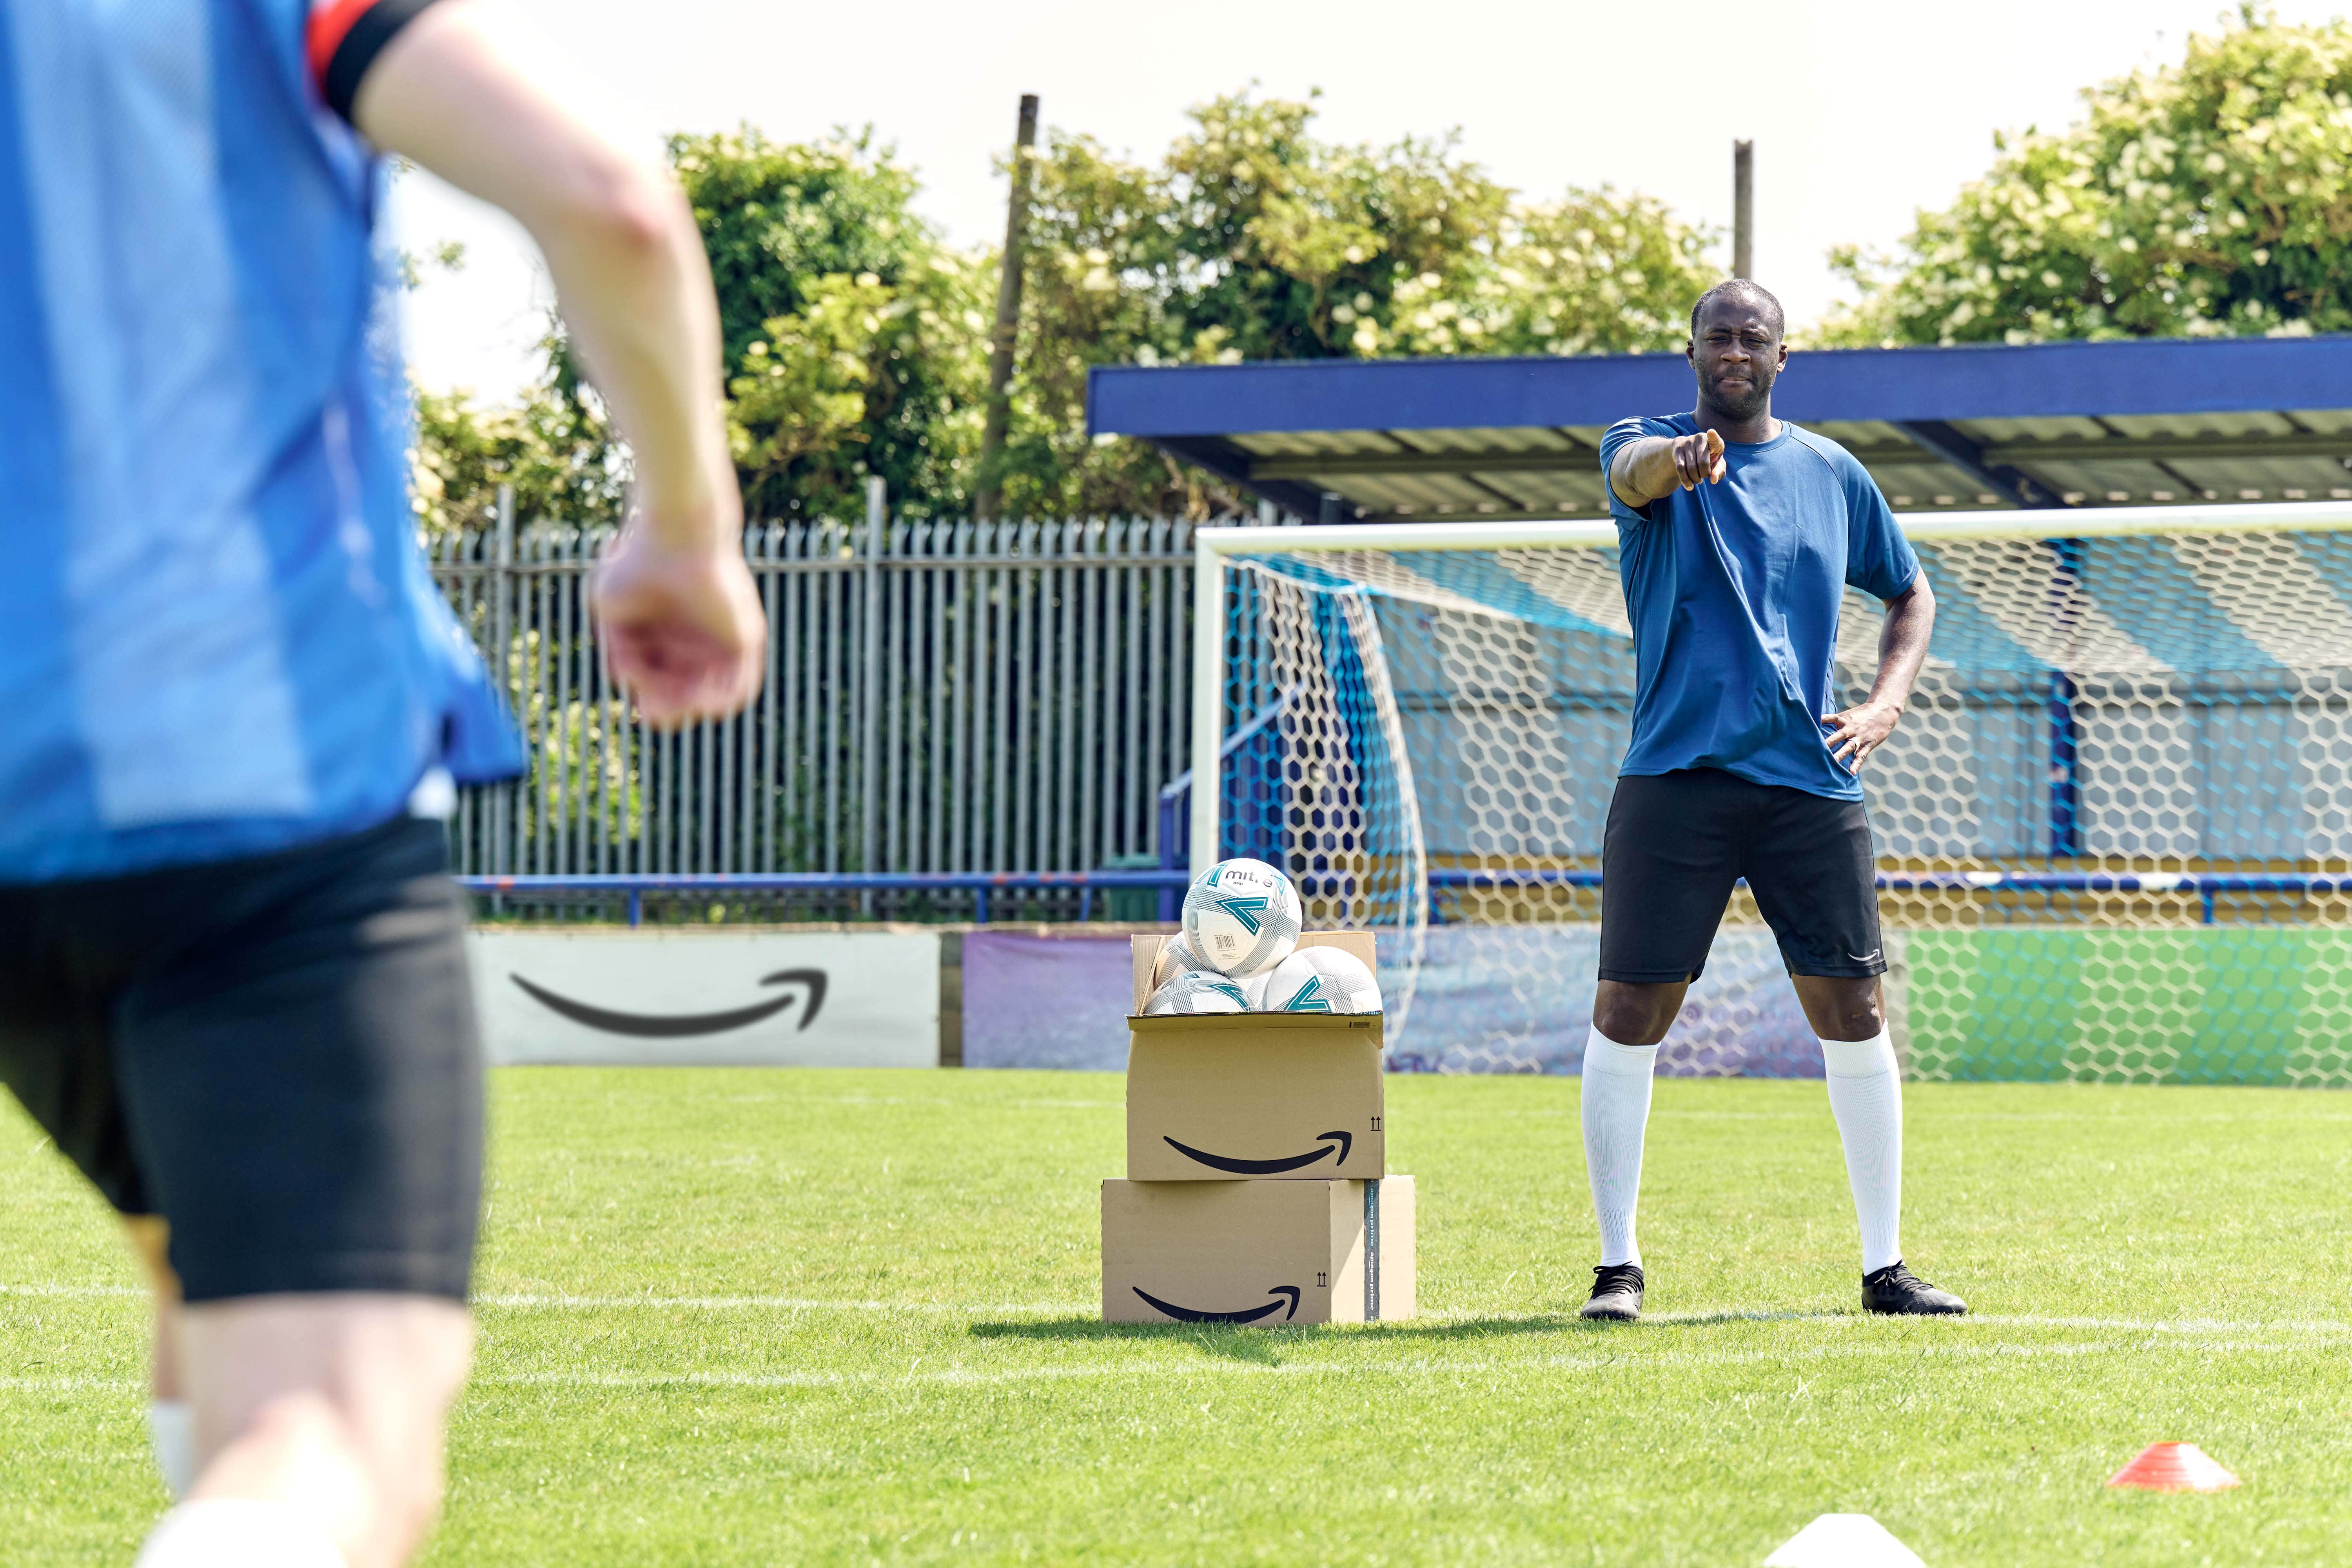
(941, 697)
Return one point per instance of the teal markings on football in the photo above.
(1246, 911)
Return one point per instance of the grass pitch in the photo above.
(764, 1316)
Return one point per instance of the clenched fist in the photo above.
(682, 626)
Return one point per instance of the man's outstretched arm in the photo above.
(1902, 650)
(676, 609)
(1656, 467)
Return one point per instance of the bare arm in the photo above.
(1902, 650)
(681, 622)
(1658, 466)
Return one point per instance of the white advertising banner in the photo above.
(709, 998)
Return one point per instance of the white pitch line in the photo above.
(530, 1300)
(1701, 1317)
(1693, 1318)
(2169, 1325)
(781, 1303)
(1698, 1316)
(1420, 1368)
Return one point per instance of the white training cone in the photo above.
(1844, 1540)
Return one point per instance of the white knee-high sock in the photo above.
(1616, 1109)
(171, 1434)
(237, 1532)
(1866, 1097)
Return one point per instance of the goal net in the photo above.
(2114, 827)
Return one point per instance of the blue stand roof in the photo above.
(2056, 425)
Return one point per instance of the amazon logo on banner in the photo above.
(807, 986)
(1281, 1293)
(1239, 1167)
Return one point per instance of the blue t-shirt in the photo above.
(1733, 589)
(218, 636)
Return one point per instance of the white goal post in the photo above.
(2135, 719)
(1213, 547)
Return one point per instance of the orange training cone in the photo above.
(2173, 1468)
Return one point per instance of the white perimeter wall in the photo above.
(881, 1006)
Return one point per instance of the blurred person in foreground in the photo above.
(232, 985)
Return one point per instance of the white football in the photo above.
(1198, 991)
(1174, 960)
(1242, 916)
(1321, 980)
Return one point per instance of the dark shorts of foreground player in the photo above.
(1675, 844)
(277, 1055)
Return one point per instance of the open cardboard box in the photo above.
(1231, 1095)
(1258, 1252)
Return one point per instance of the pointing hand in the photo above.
(1698, 458)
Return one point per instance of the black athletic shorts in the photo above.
(277, 1055)
(1677, 842)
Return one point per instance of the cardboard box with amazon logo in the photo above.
(1269, 1096)
(1257, 1187)
(1258, 1252)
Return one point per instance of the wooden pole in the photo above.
(986, 500)
(1743, 209)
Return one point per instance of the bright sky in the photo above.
(1862, 110)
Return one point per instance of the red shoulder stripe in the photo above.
(331, 23)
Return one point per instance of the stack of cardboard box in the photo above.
(1257, 1188)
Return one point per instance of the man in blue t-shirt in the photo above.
(1738, 534)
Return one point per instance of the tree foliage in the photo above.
(553, 447)
(2211, 198)
(856, 339)
(850, 328)
(1253, 239)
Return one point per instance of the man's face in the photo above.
(1737, 355)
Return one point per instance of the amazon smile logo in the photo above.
(680, 1025)
(1268, 1167)
(1246, 1315)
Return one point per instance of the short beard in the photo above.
(1741, 409)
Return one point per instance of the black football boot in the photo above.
(1896, 1291)
(1616, 1293)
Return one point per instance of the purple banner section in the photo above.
(1490, 999)
(1047, 1001)
(1519, 999)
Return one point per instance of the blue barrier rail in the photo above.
(2206, 886)
(979, 883)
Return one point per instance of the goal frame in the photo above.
(1213, 547)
